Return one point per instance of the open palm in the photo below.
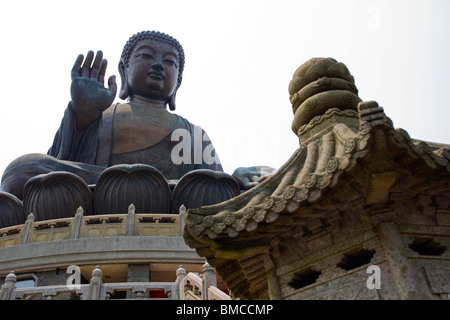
(89, 95)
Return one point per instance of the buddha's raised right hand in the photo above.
(89, 96)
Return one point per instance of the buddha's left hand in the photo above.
(249, 177)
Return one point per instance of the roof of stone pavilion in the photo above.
(348, 158)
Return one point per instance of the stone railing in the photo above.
(97, 290)
(81, 226)
(204, 287)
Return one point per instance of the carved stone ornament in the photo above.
(349, 153)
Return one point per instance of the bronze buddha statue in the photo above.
(96, 134)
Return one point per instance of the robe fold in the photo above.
(92, 147)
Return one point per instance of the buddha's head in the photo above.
(151, 66)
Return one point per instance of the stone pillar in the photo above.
(130, 219)
(76, 224)
(95, 285)
(400, 268)
(273, 284)
(181, 274)
(209, 279)
(138, 273)
(27, 228)
(182, 217)
(8, 290)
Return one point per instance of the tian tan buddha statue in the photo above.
(108, 155)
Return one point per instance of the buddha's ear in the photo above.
(124, 89)
(172, 105)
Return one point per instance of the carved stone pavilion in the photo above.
(358, 195)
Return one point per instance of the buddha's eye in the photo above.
(145, 55)
(171, 62)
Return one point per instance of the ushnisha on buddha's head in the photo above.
(151, 67)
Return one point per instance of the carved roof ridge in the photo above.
(312, 169)
(340, 136)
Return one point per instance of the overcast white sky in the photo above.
(240, 57)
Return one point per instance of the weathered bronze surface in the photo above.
(96, 134)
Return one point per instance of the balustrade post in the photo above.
(76, 225)
(181, 274)
(208, 279)
(130, 219)
(95, 285)
(8, 290)
(27, 228)
(181, 217)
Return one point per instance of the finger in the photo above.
(85, 70)
(244, 181)
(101, 74)
(97, 64)
(112, 85)
(251, 185)
(76, 66)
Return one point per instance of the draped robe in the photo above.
(88, 153)
(93, 147)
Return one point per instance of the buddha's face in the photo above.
(153, 70)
